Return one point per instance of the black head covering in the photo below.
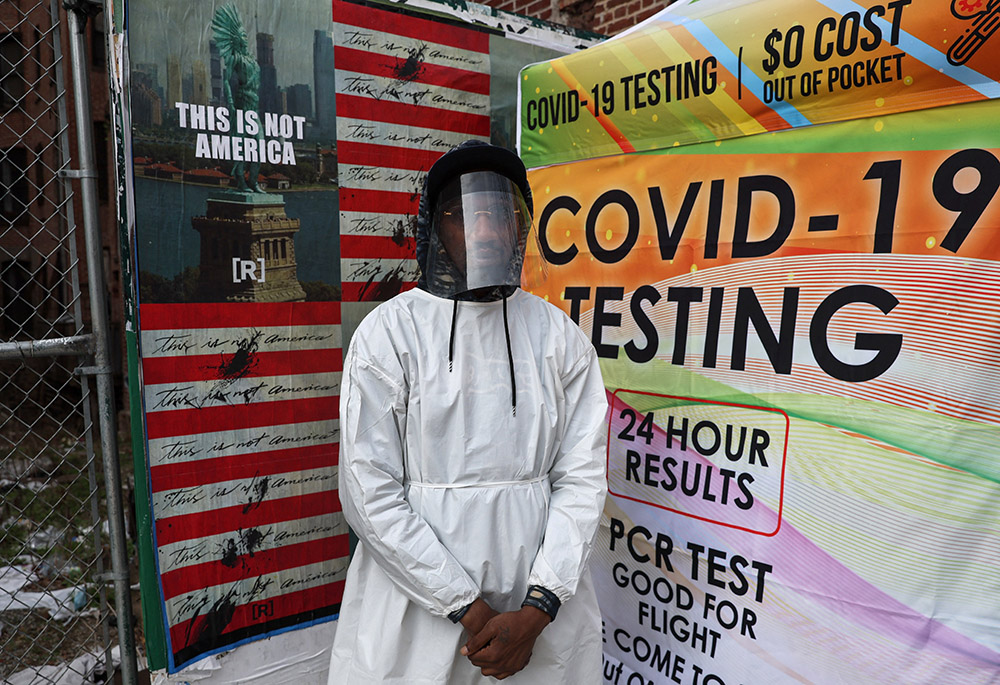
(472, 155)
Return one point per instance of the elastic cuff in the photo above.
(457, 614)
(543, 599)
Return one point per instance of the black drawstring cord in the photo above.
(451, 344)
(510, 354)
(510, 361)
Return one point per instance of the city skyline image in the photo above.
(294, 79)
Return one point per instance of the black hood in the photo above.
(472, 155)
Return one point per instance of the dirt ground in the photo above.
(46, 521)
(31, 638)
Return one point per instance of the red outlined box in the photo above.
(728, 478)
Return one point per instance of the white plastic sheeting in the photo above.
(300, 657)
(59, 603)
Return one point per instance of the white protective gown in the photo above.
(453, 497)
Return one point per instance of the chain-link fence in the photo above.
(56, 544)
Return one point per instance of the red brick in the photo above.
(647, 13)
(540, 8)
(609, 16)
(617, 26)
(506, 5)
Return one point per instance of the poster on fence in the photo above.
(238, 272)
(794, 295)
(277, 152)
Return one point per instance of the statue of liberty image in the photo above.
(240, 82)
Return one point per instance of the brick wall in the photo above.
(607, 17)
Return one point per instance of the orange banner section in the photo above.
(679, 214)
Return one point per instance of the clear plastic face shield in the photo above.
(478, 234)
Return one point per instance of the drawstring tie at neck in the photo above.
(510, 353)
(451, 343)
(510, 361)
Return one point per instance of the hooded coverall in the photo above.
(462, 484)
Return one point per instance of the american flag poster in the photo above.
(239, 322)
(241, 415)
(408, 90)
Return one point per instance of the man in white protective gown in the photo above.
(472, 420)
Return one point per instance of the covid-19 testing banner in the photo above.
(779, 224)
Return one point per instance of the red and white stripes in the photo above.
(408, 89)
(242, 406)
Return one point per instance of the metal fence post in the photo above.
(77, 12)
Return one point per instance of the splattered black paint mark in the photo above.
(412, 67)
(242, 362)
(390, 285)
(232, 368)
(404, 229)
(229, 554)
(258, 490)
(235, 553)
(399, 233)
(205, 631)
(250, 540)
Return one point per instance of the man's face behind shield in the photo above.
(482, 223)
(481, 236)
